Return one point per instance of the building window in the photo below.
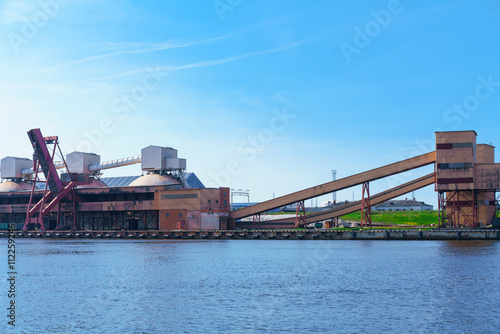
(209, 201)
(224, 194)
(167, 215)
(216, 201)
(180, 214)
(455, 165)
(225, 203)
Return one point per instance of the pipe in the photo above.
(96, 167)
(28, 171)
(115, 163)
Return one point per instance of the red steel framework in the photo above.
(300, 215)
(366, 210)
(55, 190)
(441, 208)
(256, 221)
(455, 207)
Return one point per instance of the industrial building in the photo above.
(164, 197)
(466, 179)
(54, 192)
(402, 205)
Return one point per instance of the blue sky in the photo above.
(259, 95)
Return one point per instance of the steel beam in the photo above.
(374, 200)
(357, 179)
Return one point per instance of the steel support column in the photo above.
(460, 209)
(441, 208)
(256, 221)
(366, 210)
(300, 215)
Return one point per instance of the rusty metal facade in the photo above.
(466, 179)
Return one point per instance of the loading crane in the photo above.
(55, 190)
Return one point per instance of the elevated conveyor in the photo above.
(381, 197)
(350, 181)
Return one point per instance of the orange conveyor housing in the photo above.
(347, 182)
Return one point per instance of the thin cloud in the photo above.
(152, 48)
(161, 46)
(15, 11)
(208, 63)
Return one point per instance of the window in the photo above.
(225, 203)
(168, 215)
(209, 201)
(224, 194)
(462, 145)
(456, 165)
(216, 201)
(180, 214)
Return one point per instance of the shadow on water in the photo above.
(469, 247)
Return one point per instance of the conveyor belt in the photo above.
(371, 175)
(374, 200)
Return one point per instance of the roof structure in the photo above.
(401, 203)
(193, 181)
(119, 181)
(125, 181)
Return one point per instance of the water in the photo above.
(254, 286)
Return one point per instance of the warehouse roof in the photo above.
(403, 203)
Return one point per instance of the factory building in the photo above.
(402, 205)
(466, 179)
(48, 194)
(165, 197)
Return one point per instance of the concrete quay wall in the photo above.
(355, 234)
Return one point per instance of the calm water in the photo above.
(254, 286)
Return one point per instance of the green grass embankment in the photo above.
(398, 217)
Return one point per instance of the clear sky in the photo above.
(268, 96)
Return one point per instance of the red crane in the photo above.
(55, 190)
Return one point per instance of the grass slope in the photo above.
(398, 217)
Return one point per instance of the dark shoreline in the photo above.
(354, 234)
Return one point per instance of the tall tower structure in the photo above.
(466, 179)
(334, 194)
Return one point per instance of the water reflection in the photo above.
(177, 286)
(468, 247)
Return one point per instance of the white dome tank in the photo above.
(154, 180)
(93, 184)
(9, 186)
